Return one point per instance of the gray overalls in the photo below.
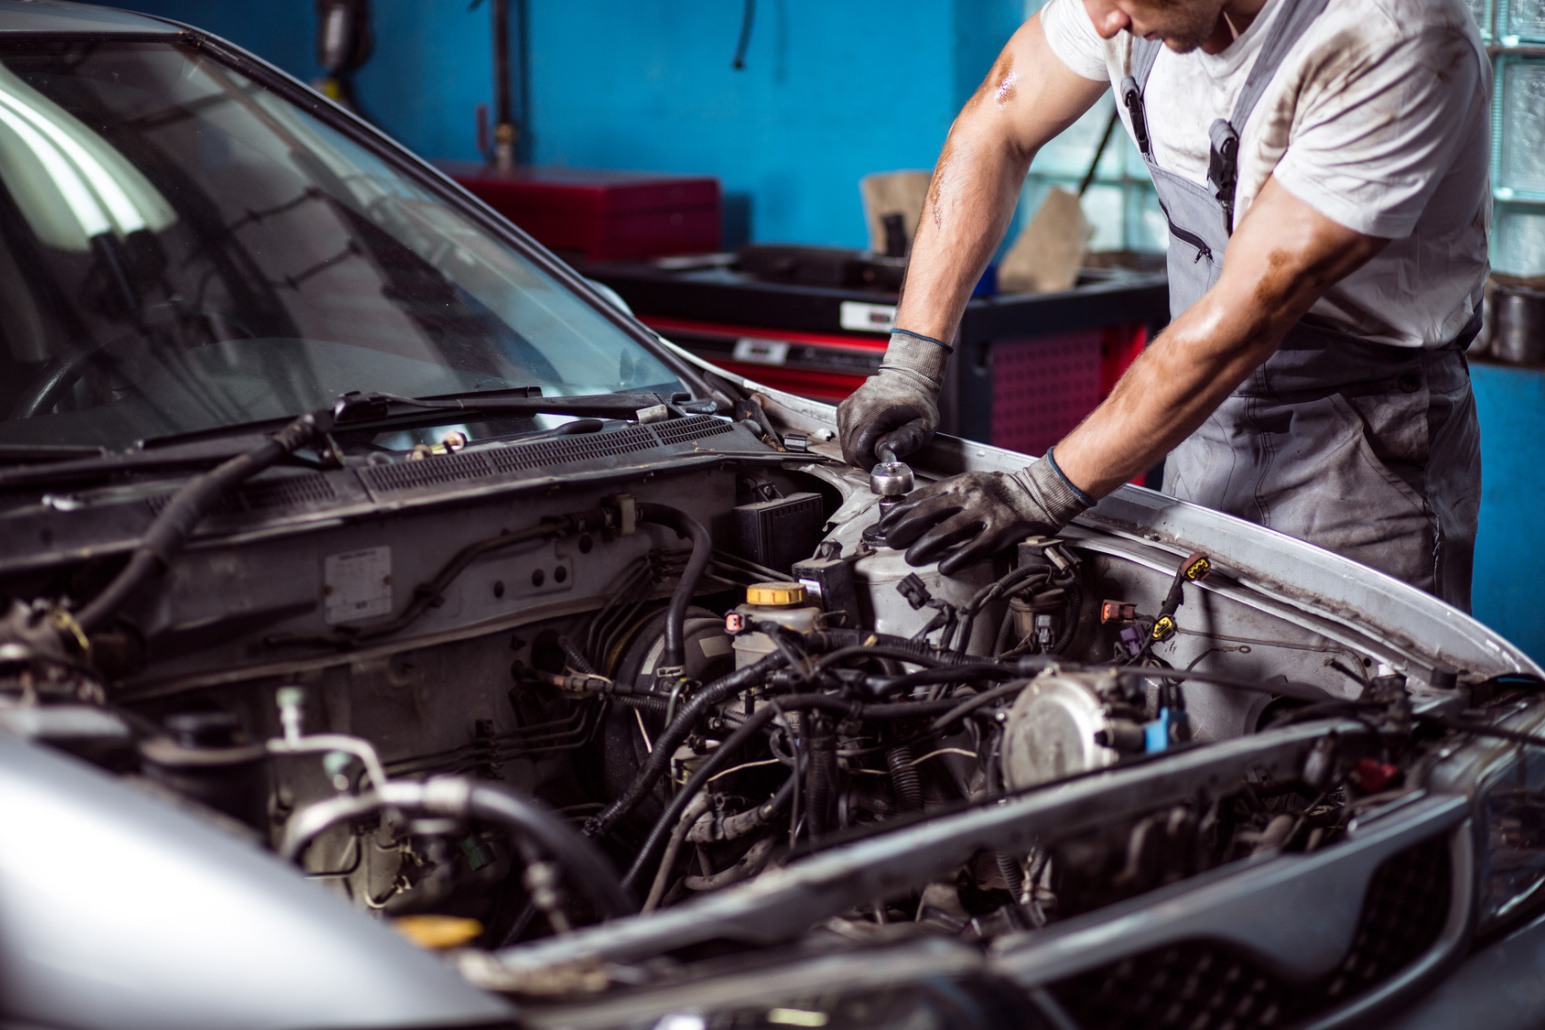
(1365, 449)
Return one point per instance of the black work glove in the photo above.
(970, 517)
(901, 400)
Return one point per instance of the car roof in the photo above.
(56, 16)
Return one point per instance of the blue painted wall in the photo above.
(1510, 552)
(831, 91)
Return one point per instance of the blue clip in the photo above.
(1168, 729)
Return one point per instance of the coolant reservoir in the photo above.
(783, 603)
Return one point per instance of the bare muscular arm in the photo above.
(1282, 257)
(1027, 99)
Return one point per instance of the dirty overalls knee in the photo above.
(1365, 449)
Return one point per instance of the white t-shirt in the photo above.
(1378, 118)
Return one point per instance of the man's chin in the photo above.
(1179, 44)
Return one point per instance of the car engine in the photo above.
(461, 687)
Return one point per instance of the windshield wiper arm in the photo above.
(383, 407)
(100, 465)
(352, 412)
(46, 452)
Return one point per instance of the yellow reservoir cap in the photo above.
(437, 933)
(776, 595)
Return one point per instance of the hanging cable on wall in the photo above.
(747, 19)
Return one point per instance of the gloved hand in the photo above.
(901, 400)
(970, 517)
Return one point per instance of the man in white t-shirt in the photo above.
(1323, 167)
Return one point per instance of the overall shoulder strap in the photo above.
(1141, 53)
(1287, 27)
(1144, 53)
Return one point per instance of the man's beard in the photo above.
(1194, 25)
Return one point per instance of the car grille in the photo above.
(1208, 985)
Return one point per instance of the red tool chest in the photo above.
(1028, 367)
(600, 215)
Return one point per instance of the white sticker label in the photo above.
(357, 585)
(812, 587)
(867, 318)
(762, 352)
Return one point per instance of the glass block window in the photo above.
(1517, 133)
(1120, 199)
(1521, 21)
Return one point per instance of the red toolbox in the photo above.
(600, 215)
(1028, 367)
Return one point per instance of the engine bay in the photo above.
(694, 661)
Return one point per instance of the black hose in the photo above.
(1073, 607)
(998, 588)
(948, 674)
(971, 704)
(743, 734)
(719, 757)
(733, 827)
(171, 528)
(674, 733)
(643, 702)
(821, 784)
(713, 694)
(907, 785)
(586, 867)
(1008, 866)
(1005, 627)
(576, 658)
(675, 654)
(917, 654)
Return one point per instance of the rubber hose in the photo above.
(899, 654)
(171, 528)
(1012, 874)
(1075, 603)
(904, 779)
(1007, 584)
(1005, 628)
(821, 785)
(721, 755)
(950, 673)
(653, 705)
(586, 866)
(753, 725)
(673, 734)
(577, 660)
(733, 827)
(675, 653)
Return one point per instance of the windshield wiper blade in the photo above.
(100, 465)
(22, 453)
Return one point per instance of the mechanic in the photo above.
(1323, 166)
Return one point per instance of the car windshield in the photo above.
(182, 249)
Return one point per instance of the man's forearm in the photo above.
(1281, 259)
(1028, 98)
(971, 199)
(1167, 393)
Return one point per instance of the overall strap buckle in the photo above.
(1223, 168)
(1132, 100)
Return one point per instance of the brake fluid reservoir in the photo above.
(782, 603)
